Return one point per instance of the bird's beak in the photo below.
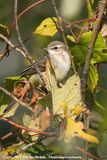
(46, 49)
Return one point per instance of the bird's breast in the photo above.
(61, 65)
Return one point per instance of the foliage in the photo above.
(46, 113)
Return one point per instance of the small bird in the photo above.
(60, 59)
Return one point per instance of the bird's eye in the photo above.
(55, 47)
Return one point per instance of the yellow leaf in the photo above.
(78, 109)
(65, 109)
(47, 27)
(4, 30)
(88, 137)
(76, 129)
(68, 96)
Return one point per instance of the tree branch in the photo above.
(91, 47)
(63, 35)
(13, 97)
(33, 63)
(25, 11)
(12, 45)
(6, 52)
(28, 129)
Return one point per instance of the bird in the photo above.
(59, 58)
(60, 61)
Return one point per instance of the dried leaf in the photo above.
(47, 27)
(45, 119)
(70, 93)
(34, 124)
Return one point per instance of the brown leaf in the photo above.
(45, 119)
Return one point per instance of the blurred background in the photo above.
(71, 10)
(27, 23)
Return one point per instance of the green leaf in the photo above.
(98, 105)
(4, 30)
(46, 101)
(95, 4)
(90, 12)
(79, 50)
(92, 78)
(2, 109)
(9, 81)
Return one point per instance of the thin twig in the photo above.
(6, 52)
(82, 31)
(8, 49)
(63, 35)
(12, 45)
(17, 29)
(23, 149)
(87, 153)
(91, 47)
(27, 129)
(33, 63)
(73, 34)
(79, 21)
(13, 97)
(25, 11)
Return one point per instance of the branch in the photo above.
(23, 149)
(6, 52)
(91, 47)
(13, 97)
(87, 153)
(63, 35)
(33, 63)
(79, 21)
(25, 11)
(27, 129)
(12, 45)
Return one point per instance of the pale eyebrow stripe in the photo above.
(56, 46)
